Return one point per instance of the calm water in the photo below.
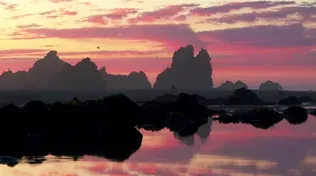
(229, 150)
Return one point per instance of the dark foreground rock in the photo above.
(243, 96)
(295, 115)
(292, 100)
(104, 127)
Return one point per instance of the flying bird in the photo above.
(98, 47)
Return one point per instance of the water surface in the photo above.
(217, 149)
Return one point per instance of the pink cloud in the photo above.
(173, 36)
(33, 25)
(19, 51)
(57, 1)
(21, 16)
(114, 14)
(97, 19)
(70, 13)
(8, 6)
(294, 35)
(120, 13)
(11, 7)
(48, 12)
(163, 13)
(52, 16)
(228, 7)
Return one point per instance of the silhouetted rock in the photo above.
(154, 115)
(35, 114)
(44, 70)
(182, 124)
(10, 80)
(243, 96)
(305, 99)
(119, 109)
(9, 161)
(166, 98)
(83, 76)
(228, 85)
(186, 71)
(292, 100)
(239, 84)
(135, 80)
(216, 101)
(202, 100)
(270, 86)
(296, 115)
(263, 118)
(189, 106)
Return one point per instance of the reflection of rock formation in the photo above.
(84, 75)
(263, 118)
(188, 140)
(228, 85)
(187, 71)
(135, 80)
(203, 132)
(295, 115)
(269, 85)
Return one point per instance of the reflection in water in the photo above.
(232, 150)
(203, 132)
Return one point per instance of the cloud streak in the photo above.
(226, 8)
(294, 35)
(163, 13)
(173, 36)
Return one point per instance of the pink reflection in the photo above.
(230, 150)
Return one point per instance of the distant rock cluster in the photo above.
(270, 86)
(135, 80)
(228, 85)
(54, 74)
(186, 71)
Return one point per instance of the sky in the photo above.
(252, 41)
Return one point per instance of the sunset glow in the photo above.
(252, 41)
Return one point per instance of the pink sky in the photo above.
(252, 41)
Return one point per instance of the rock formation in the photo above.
(228, 85)
(10, 80)
(186, 71)
(44, 70)
(244, 96)
(291, 100)
(270, 86)
(135, 80)
(83, 76)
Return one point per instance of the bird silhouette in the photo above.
(98, 47)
